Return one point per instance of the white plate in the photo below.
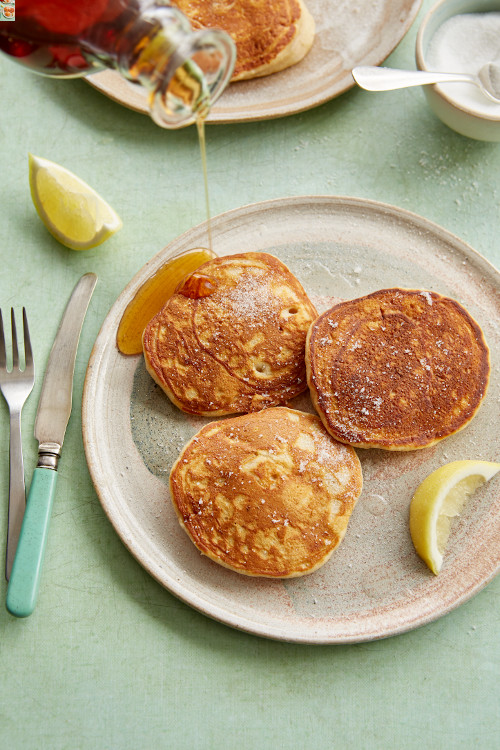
(374, 585)
(347, 34)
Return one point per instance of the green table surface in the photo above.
(109, 659)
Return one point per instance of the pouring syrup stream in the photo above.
(200, 124)
(156, 290)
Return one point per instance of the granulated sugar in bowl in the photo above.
(460, 36)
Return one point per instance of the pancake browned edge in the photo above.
(267, 494)
(239, 349)
(398, 369)
(269, 37)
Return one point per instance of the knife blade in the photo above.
(54, 410)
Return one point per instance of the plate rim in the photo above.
(109, 83)
(194, 599)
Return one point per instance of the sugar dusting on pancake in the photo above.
(398, 369)
(267, 494)
(238, 348)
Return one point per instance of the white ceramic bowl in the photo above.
(462, 117)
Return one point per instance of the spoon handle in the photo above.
(387, 79)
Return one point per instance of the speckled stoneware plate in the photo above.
(374, 585)
(347, 34)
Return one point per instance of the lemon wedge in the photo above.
(438, 499)
(71, 210)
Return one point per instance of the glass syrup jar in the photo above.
(149, 42)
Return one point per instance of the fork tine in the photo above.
(3, 355)
(28, 353)
(15, 352)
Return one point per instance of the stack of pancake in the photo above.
(269, 37)
(232, 338)
(270, 493)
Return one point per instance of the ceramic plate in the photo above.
(374, 585)
(347, 34)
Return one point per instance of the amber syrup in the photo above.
(200, 124)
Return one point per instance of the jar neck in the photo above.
(183, 71)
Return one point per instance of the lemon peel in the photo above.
(438, 499)
(72, 211)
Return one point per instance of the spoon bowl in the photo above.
(489, 78)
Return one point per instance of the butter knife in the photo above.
(54, 409)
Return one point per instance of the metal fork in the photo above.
(15, 385)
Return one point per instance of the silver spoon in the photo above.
(388, 79)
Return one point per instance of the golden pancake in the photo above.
(398, 369)
(269, 36)
(267, 494)
(232, 338)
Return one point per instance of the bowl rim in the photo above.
(462, 6)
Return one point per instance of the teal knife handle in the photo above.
(24, 580)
